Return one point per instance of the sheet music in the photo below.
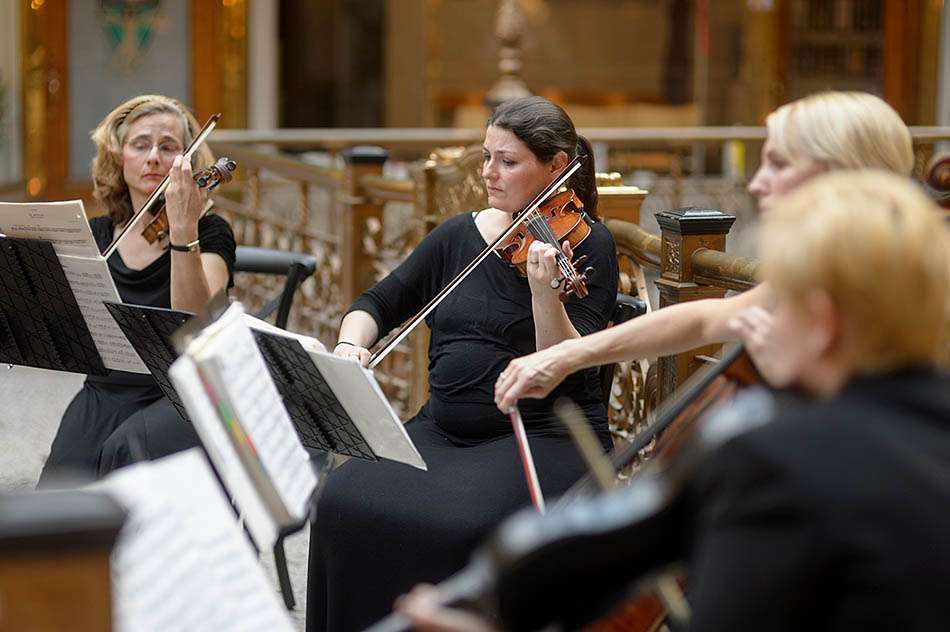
(367, 406)
(233, 354)
(181, 562)
(184, 375)
(63, 224)
(92, 284)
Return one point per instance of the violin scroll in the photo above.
(210, 177)
(220, 171)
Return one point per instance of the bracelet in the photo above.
(344, 342)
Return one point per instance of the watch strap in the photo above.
(191, 246)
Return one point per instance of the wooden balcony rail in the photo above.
(429, 137)
(712, 267)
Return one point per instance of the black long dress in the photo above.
(123, 417)
(382, 527)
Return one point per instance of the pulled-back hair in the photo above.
(844, 130)
(109, 186)
(546, 129)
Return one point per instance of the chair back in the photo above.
(296, 266)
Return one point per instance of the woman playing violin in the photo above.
(123, 417)
(382, 527)
(820, 133)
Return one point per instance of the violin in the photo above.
(937, 175)
(210, 177)
(558, 219)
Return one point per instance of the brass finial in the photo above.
(509, 27)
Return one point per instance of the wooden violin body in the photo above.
(937, 175)
(210, 177)
(559, 219)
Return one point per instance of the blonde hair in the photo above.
(843, 130)
(109, 186)
(878, 247)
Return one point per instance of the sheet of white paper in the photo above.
(182, 562)
(64, 224)
(367, 406)
(254, 398)
(92, 284)
(214, 437)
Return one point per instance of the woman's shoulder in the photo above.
(601, 233)
(213, 226)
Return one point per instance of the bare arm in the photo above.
(663, 332)
(195, 277)
(551, 322)
(358, 332)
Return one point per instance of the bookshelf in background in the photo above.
(835, 44)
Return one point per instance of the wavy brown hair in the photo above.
(109, 186)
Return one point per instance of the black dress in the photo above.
(833, 517)
(382, 527)
(123, 417)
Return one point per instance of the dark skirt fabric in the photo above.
(147, 434)
(381, 527)
(108, 425)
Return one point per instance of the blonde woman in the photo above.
(834, 513)
(123, 417)
(820, 133)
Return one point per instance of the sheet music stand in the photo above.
(321, 422)
(320, 419)
(149, 331)
(41, 324)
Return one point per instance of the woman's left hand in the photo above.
(542, 267)
(755, 326)
(183, 202)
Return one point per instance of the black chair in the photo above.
(296, 266)
(627, 307)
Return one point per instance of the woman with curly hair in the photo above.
(123, 417)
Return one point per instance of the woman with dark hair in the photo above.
(123, 417)
(382, 527)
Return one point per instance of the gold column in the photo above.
(219, 60)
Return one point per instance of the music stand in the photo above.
(149, 330)
(41, 324)
(318, 417)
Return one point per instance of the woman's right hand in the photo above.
(348, 350)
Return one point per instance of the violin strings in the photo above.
(543, 231)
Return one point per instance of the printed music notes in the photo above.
(182, 562)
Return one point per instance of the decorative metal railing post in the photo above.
(357, 268)
(684, 231)
(509, 27)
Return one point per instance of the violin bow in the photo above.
(160, 189)
(527, 461)
(411, 324)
